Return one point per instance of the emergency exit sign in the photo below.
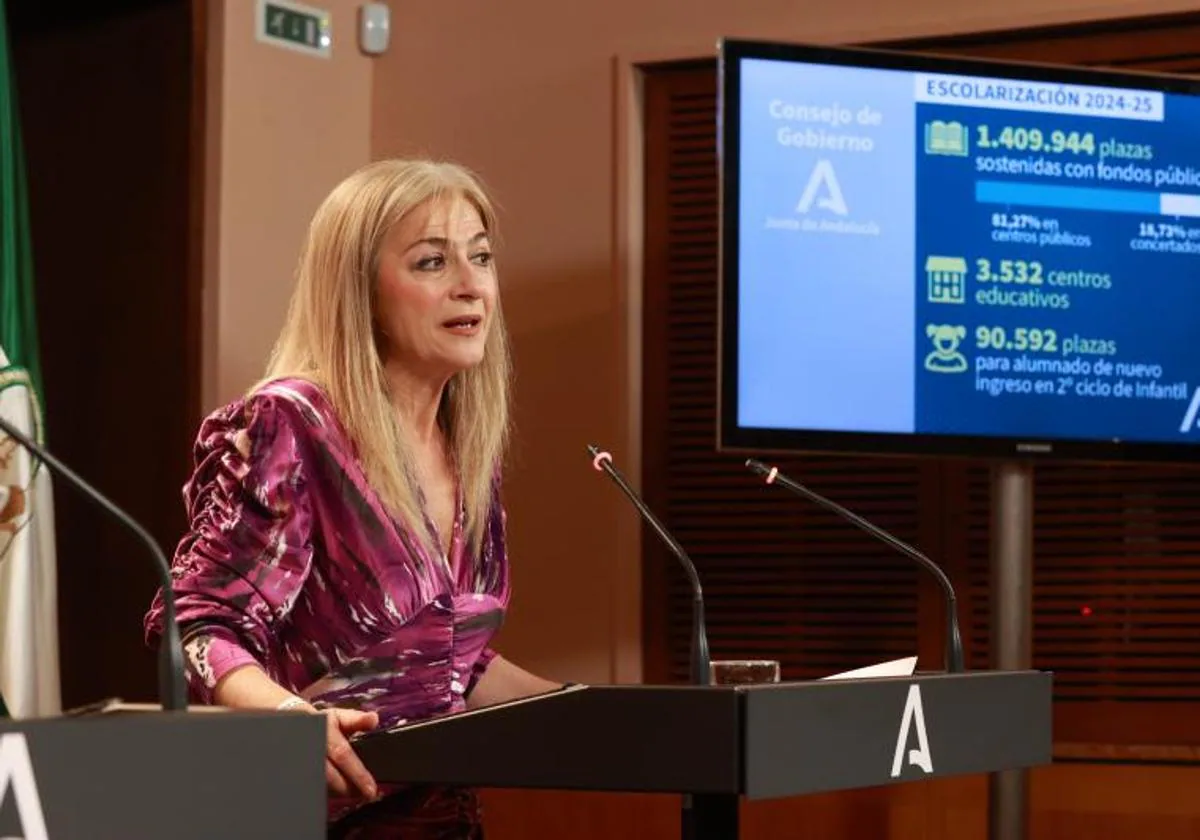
(294, 26)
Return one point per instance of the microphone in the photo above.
(602, 461)
(954, 649)
(172, 688)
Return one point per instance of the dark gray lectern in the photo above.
(717, 743)
(154, 775)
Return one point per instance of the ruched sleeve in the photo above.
(248, 550)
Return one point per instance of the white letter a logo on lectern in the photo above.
(16, 771)
(913, 713)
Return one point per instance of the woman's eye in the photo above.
(483, 258)
(432, 263)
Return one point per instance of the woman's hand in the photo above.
(248, 687)
(344, 771)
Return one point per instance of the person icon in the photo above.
(945, 357)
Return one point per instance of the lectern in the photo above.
(154, 775)
(715, 744)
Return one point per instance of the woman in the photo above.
(346, 554)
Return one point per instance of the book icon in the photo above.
(946, 138)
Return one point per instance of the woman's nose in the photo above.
(469, 282)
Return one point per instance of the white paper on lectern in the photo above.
(894, 668)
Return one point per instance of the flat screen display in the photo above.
(933, 255)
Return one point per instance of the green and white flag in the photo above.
(29, 670)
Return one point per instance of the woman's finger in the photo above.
(337, 784)
(345, 760)
(351, 720)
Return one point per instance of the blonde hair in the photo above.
(329, 338)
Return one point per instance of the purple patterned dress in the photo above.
(292, 562)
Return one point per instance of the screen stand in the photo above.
(1012, 625)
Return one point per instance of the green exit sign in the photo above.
(294, 27)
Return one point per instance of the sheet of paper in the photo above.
(894, 668)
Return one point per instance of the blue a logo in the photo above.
(823, 178)
(1189, 418)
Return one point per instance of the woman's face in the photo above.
(436, 291)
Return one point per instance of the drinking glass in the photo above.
(743, 671)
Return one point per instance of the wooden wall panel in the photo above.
(106, 97)
(1128, 768)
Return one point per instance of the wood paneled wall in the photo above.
(1127, 720)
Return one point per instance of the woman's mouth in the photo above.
(466, 325)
